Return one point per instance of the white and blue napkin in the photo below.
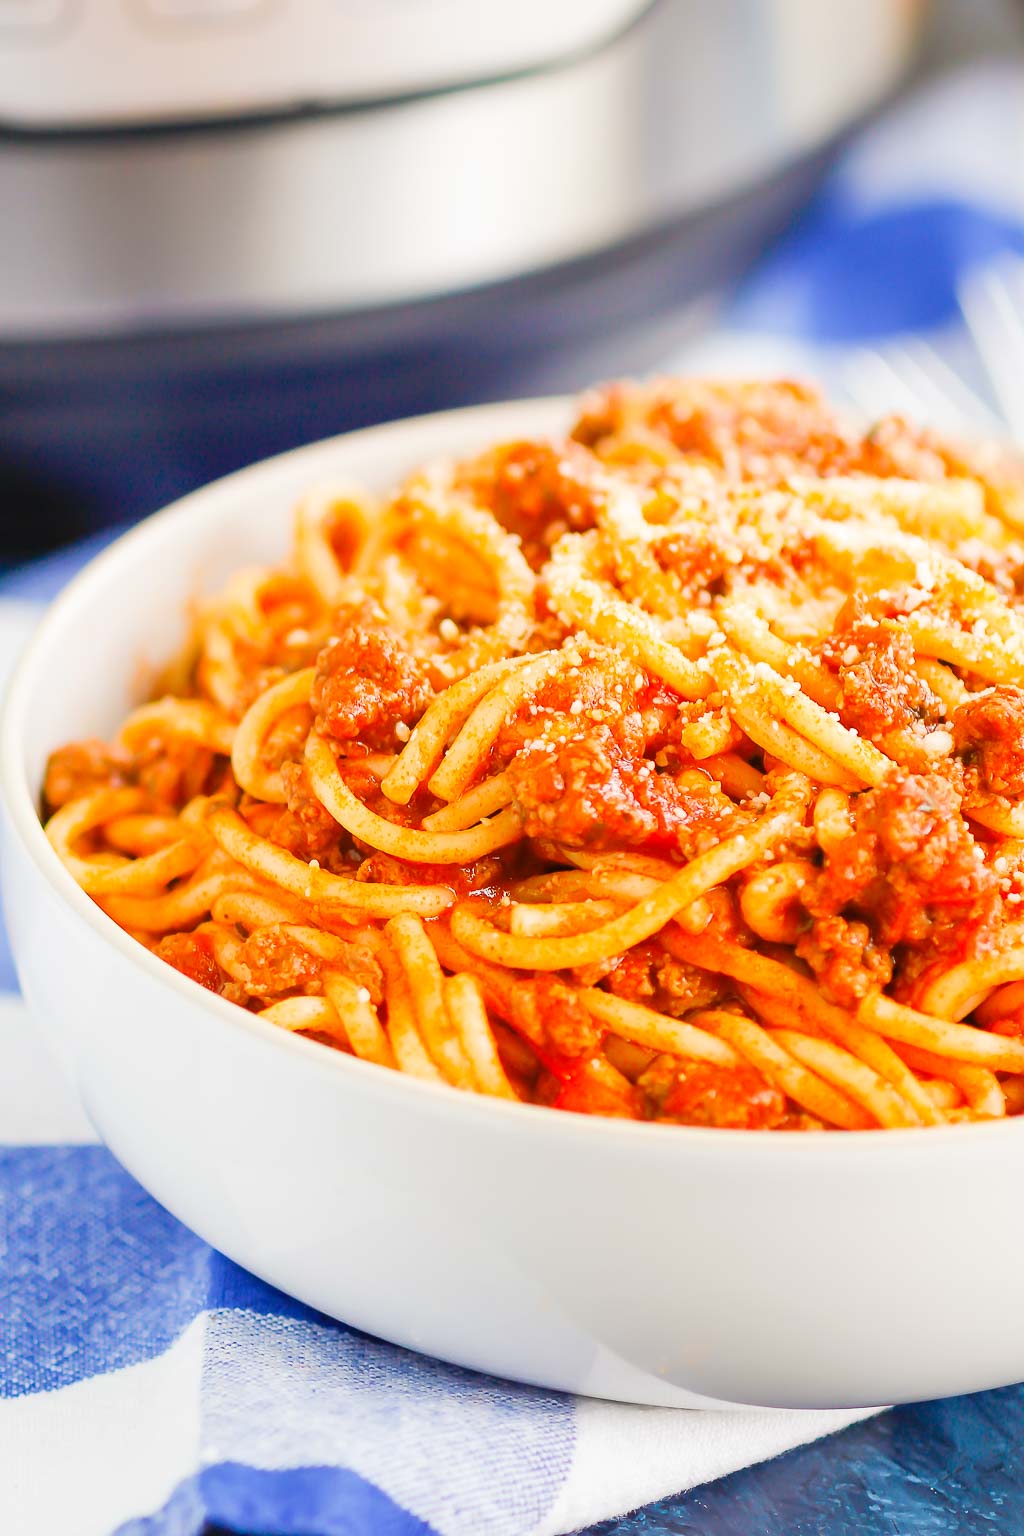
(147, 1385)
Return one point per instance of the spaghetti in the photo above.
(670, 771)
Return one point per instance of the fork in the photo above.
(913, 376)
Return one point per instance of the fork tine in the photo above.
(992, 300)
(875, 386)
(948, 399)
(911, 377)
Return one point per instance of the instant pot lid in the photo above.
(334, 211)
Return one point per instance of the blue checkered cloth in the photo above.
(148, 1385)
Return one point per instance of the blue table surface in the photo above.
(952, 1466)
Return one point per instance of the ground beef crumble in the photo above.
(368, 682)
(988, 736)
(588, 793)
(873, 661)
(910, 868)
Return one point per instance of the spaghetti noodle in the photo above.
(670, 771)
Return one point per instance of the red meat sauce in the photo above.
(307, 830)
(82, 768)
(649, 974)
(698, 555)
(908, 888)
(988, 736)
(683, 1093)
(767, 431)
(565, 1040)
(700, 1093)
(536, 490)
(369, 682)
(270, 964)
(545, 1011)
(595, 763)
(170, 773)
(580, 755)
(192, 955)
(872, 657)
(587, 792)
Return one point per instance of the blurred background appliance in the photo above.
(232, 226)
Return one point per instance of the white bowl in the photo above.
(651, 1263)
